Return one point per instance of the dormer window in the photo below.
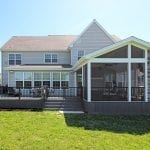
(51, 58)
(80, 54)
(14, 59)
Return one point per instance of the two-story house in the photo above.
(34, 61)
(106, 68)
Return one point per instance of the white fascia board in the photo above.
(79, 64)
(31, 68)
(109, 60)
(117, 60)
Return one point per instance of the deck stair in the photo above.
(63, 104)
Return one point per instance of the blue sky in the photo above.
(43, 17)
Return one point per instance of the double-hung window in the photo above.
(14, 59)
(80, 54)
(64, 79)
(56, 80)
(19, 79)
(51, 58)
(46, 79)
(27, 80)
(37, 79)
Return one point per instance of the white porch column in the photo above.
(8, 80)
(89, 82)
(146, 77)
(75, 84)
(82, 76)
(129, 73)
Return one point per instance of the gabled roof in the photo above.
(121, 43)
(113, 39)
(133, 40)
(39, 43)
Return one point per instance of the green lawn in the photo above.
(51, 130)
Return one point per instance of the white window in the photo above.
(37, 79)
(64, 79)
(46, 79)
(19, 79)
(80, 54)
(27, 80)
(51, 58)
(14, 59)
(56, 80)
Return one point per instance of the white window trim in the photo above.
(15, 58)
(32, 78)
(51, 58)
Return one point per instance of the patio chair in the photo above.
(12, 92)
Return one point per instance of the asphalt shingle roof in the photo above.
(39, 43)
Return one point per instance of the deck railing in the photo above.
(109, 93)
(97, 93)
(41, 92)
(138, 93)
(116, 93)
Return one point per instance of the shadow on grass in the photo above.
(23, 110)
(137, 125)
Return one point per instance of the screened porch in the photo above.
(120, 75)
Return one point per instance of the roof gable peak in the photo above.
(94, 21)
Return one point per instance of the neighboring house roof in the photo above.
(39, 43)
(116, 38)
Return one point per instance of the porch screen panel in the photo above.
(118, 53)
(137, 52)
(109, 82)
(138, 82)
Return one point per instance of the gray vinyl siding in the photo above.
(91, 40)
(31, 58)
(4, 72)
(38, 57)
(12, 82)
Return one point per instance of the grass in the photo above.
(24, 130)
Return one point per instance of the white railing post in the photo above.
(82, 76)
(129, 73)
(146, 77)
(89, 82)
(75, 77)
